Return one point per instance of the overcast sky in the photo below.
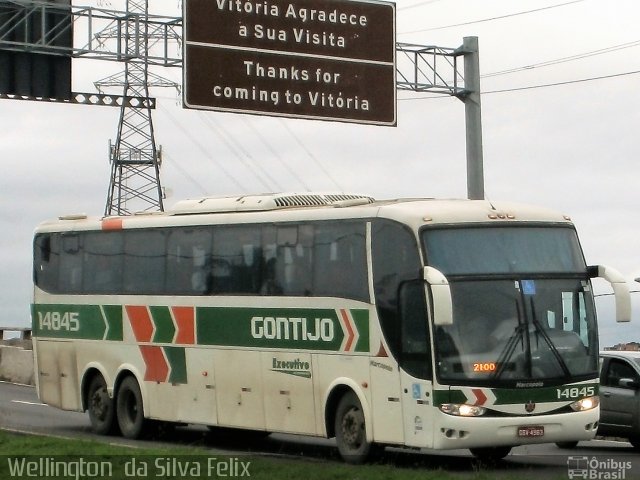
(572, 147)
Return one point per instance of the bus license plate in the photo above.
(531, 431)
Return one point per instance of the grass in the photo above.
(180, 463)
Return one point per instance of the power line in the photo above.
(259, 135)
(532, 87)
(416, 5)
(557, 61)
(568, 82)
(202, 149)
(311, 155)
(547, 63)
(241, 154)
(185, 173)
(492, 18)
(275, 154)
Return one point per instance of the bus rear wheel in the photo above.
(101, 407)
(350, 430)
(129, 409)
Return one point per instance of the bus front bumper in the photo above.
(453, 432)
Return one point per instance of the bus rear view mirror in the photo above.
(620, 290)
(440, 295)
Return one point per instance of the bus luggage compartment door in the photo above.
(239, 394)
(58, 374)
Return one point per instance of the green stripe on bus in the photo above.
(288, 328)
(361, 319)
(88, 322)
(448, 396)
(113, 314)
(165, 329)
(514, 396)
(506, 396)
(178, 363)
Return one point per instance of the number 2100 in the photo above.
(484, 367)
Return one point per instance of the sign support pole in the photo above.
(473, 119)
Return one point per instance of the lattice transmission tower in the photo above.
(134, 155)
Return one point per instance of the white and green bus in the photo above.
(441, 324)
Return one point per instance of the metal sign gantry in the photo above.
(90, 25)
(434, 69)
(136, 37)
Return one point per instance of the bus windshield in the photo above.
(523, 312)
(503, 250)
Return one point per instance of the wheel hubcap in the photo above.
(131, 406)
(352, 428)
(99, 405)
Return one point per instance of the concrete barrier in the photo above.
(16, 365)
(23, 333)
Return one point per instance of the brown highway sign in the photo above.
(329, 59)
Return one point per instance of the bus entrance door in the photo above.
(417, 411)
(386, 400)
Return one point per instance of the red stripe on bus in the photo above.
(481, 398)
(157, 367)
(347, 324)
(140, 322)
(111, 224)
(185, 319)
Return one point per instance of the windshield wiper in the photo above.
(510, 347)
(549, 342)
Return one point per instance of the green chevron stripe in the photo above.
(178, 363)
(113, 315)
(361, 319)
(165, 329)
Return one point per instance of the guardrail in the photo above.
(24, 332)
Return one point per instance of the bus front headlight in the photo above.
(462, 409)
(586, 403)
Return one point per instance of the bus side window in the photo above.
(340, 261)
(70, 280)
(145, 261)
(103, 262)
(327, 259)
(293, 267)
(189, 261)
(415, 355)
(268, 283)
(236, 260)
(46, 261)
(395, 260)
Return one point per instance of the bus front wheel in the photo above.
(350, 430)
(129, 409)
(567, 445)
(490, 454)
(101, 407)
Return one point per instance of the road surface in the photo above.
(20, 410)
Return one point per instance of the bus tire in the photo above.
(101, 407)
(566, 445)
(350, 430)
(129, 409)
(490, 454)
